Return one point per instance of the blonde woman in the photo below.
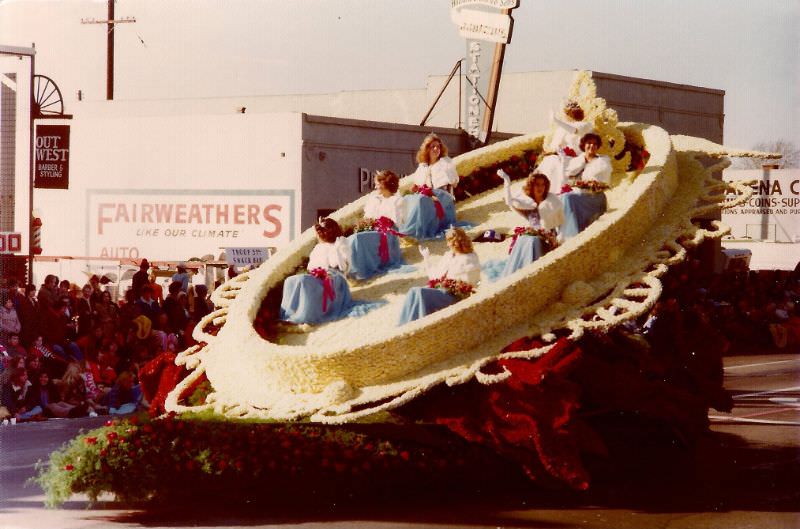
(451, 278)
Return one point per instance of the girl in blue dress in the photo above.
(375, 251)
(544, 213)
(460, 263)
(322, 294)
(432, 208)
(582, 206)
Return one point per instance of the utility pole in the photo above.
(110, 22)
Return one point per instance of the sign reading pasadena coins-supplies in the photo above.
(176, 225)
(51, 157)
(773, 211)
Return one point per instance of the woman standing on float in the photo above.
(583, 205)
(564, 146)
(431, 208)
(544, 212)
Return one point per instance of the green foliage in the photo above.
(141, 459)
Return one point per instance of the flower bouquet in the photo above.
(454, 287)
(548, 237)
(592, 186)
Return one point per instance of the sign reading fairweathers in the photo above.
(176, 225)
(773, 211)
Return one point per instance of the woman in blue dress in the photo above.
(544, 212)
(460, 264)
(583, 205)
(432, 208)
(322, 294)
(376, 250)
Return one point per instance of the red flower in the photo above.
(91, 440)
(103, 452)
(319, 273)
(69, 468)
(111, 436)
(566, 188)
(404, 455)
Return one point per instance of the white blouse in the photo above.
(460, 266)
(568, 134)
(551, 209)
(330, 255)
(599, 169)
(392, 207)
(440, 174)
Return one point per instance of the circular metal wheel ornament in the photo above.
(47, 100)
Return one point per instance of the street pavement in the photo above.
(746, 475)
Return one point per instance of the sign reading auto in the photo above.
(175, 225)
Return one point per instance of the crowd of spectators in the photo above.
(71, 351)
(745, 311)
(67, 351)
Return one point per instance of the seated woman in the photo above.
(544, 212)
(460, 264)
(432, 208)
(323, 294)
(588, 174)
(379, 248)
(564, 145)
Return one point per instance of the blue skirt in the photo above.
(526, 250)
(302, 299)
(365, 260)
(421, 301)
(421, 220)
(580, 210)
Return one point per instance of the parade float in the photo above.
(528, 374)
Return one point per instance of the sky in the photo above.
(207, 48)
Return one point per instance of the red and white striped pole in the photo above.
(36, 235)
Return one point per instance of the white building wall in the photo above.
(173, 160)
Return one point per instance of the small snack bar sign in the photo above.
(51, 152)
(10, 242)
(242, 257)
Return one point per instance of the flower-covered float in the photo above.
(515, 345)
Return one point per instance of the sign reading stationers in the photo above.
(482, 22)
(51, 152)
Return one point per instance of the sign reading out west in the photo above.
(51, 152)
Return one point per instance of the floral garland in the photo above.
(381, 224)
(485, 178)
(548, 237)
(593, 186)
(456, 288)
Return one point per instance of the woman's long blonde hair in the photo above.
(424, 155)
(459, 239)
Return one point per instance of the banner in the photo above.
(177, 225)
(51, 170)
